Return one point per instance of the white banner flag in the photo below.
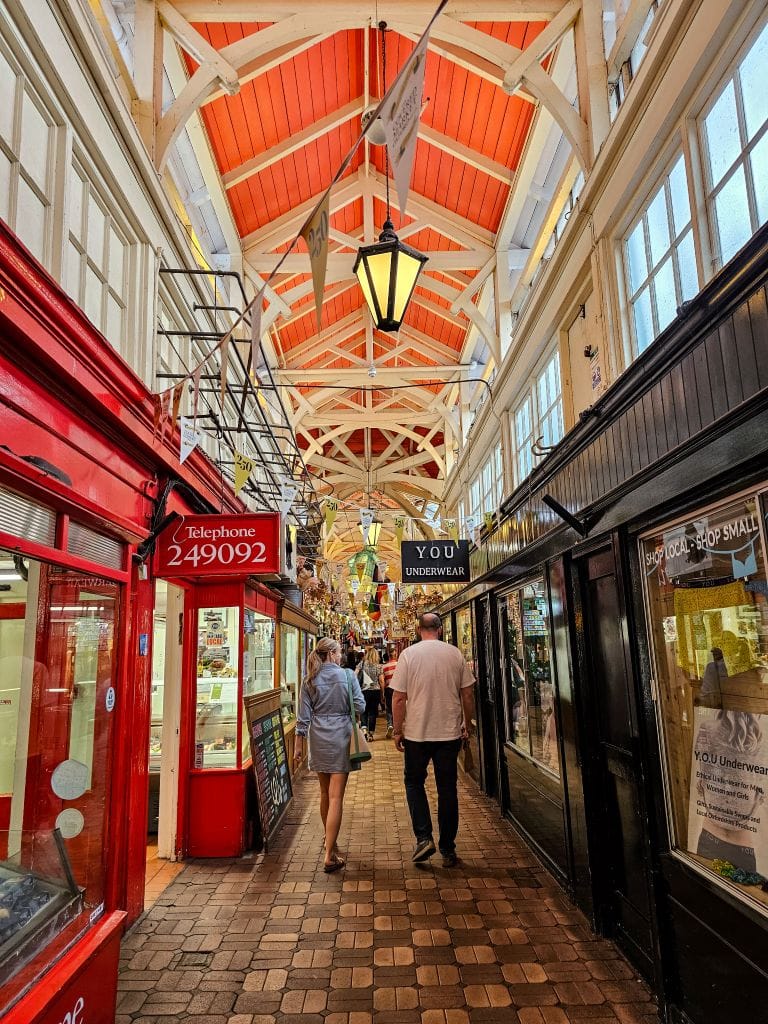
(189, 438)
(288, 491)
(400, 118)
(391, 589)
(366, 518)
(355, 584)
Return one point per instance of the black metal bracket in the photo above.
(147, 546)
(581, 526)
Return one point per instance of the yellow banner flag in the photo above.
(452, 530)
(488, 519)
(331, 508)
(399, 527)
(315, 234)
(243, 469)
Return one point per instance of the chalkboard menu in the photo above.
(270, 761)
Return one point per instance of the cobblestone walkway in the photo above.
(274, 939)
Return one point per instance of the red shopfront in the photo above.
(227, 654)
(80, 478)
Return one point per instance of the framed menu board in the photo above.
(270, 760)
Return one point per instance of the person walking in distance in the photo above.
(324, 715)
(388, 670)
(371, 681)
(433, 704)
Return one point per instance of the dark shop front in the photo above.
(622, 655)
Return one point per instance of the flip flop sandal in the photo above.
(335, 865)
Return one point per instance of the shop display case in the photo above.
(38, 897)
(216, 705)
(291, 650)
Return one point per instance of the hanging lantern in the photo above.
(387, 272)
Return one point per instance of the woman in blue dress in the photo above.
(324, 716)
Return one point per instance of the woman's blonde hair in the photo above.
(318, 657)
(372, 656)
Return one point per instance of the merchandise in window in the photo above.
(659, 258)
(217, 679)
(290, 671)
(706, 587)
(530, 692)
(258, 660)
(58, 669)
(734, 134)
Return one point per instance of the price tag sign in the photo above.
(227, 545)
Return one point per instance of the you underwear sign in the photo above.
(435, 561)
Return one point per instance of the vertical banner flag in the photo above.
(471, 524)
(366, 518)
(256, 310)
(189, 438)
(391, 589)
(400, 116)
(355, 584)
(399, 527)
(452, 530)
(331, 508)
(315, 234)
(243, 469)
(178, 391)
(488, 518)
(288, 491)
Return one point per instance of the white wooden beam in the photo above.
(190, 40)
(340, 263)
(471, 157)
(384, 373)
(391, 10)
(542, 45)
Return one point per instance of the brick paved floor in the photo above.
(273, 940)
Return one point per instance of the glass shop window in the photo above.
(531, 723)
(258, 660)
(706, 594)
(57, 694)
(216, 709)
(659, 258)
(290, 668)
(734, 136)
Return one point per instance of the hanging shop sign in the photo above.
(225, 545)
(436, 561)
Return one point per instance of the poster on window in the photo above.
(728, 811)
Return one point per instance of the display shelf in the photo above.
(37, 900)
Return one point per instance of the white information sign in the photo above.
(70, 779)
(70, 822)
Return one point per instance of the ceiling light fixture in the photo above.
(388, 269)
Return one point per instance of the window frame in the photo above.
(710, 190)
(648, 283)
(531, 395)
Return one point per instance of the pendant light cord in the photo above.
(383, 30)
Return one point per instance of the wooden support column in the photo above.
(147, 72)
(592, 74)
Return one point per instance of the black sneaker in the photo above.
(425, 849)
(450, 860)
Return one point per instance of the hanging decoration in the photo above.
(315, 234)
(366, 518)
(452, 529)
(401, 113)
(399, 527)
(243, 470)
(330, 507)
(488, 520)
(189, 438)
(288, 490)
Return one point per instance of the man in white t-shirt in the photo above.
(433, 704)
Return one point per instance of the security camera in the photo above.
(372, 371)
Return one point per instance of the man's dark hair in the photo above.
(431, 622)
